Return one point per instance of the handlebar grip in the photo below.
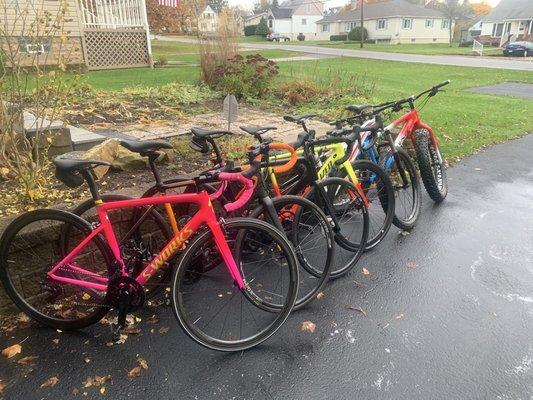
(220, 190)
(246, 195)
(279, 169)
(447, 82)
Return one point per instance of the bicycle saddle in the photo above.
(298, 118)
(203, 133)
(144, 146)
(69, 165)
(357, 108)
(257, 130)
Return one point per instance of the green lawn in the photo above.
(463, 121)
(468, 120)
(189, 52)
(429, 48)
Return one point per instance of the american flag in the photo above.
(168, 3)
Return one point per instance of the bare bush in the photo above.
(35, 50)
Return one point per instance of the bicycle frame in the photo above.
(204, 216)
(337, 151)
(411, 122)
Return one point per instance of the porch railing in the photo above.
(477, 47)
(112, 14)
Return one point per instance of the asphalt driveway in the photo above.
(445, 312)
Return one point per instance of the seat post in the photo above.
(151, 162)
(88, 176)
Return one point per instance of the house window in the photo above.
(381, 24)
(445, 24)
(270, 23)
(351, 25)
(325, 27)
(497, 30)
(407, 23)
(429, 23)
(304, 21)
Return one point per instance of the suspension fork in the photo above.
(396, 157)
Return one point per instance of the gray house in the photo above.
(509, 21)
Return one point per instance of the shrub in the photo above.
(466, 43)
(301, 91)
(338, 38)
(300, 37)
(161, 61)
(217, 50)
(262, 28)
(248, 77)
(355, 34)
(250, 30)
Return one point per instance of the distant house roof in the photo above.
(384, 9)
(253, 16)
(281, 13)
(511, 9)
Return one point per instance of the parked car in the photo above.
(277, 37)
(522, 49)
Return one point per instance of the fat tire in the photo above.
(426, 156)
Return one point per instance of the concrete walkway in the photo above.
(460, 61)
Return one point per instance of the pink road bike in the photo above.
(67, 274)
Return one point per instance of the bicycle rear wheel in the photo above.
(212, 310)
(31, 246)
(311, 235)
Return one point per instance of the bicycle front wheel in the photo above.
(208, 305)
(311, 235)
(432, 171)
(31, 246)
(346, 211)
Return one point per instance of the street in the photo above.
(445, 312)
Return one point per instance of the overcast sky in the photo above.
(331, 3)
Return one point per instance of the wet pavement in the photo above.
(513, 89)
(445, 312)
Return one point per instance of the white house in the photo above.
(207, 22)
(293, 17)
(393, 21)
(509, 21)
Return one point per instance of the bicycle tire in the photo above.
(432, 172)
(181, 288)
(402, 222)
(377, 230)
(315, 278)
(356, 248)
(9, 237)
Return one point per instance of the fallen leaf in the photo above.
(2, 387)
(142, 363)
(87, 360)
(52, 381)
(357, 308)
(96, 380)
(26, 360)
(365, 271)
(411, 264)
(122, 339)
(308, 326)
(135, 372)
(154, 319)
(399, 316)
(320, 296)
(132, 329)
(12, 351)
(477, 169)
(164, 329)
(102, 390)
(404, 232)
(56, 341)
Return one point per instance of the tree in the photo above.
(481, 8)
(217, 5)
(355, 34)
(275, 4)
(453, 10)
(261, 6)
(262, 28)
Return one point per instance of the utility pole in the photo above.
(361, 28)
